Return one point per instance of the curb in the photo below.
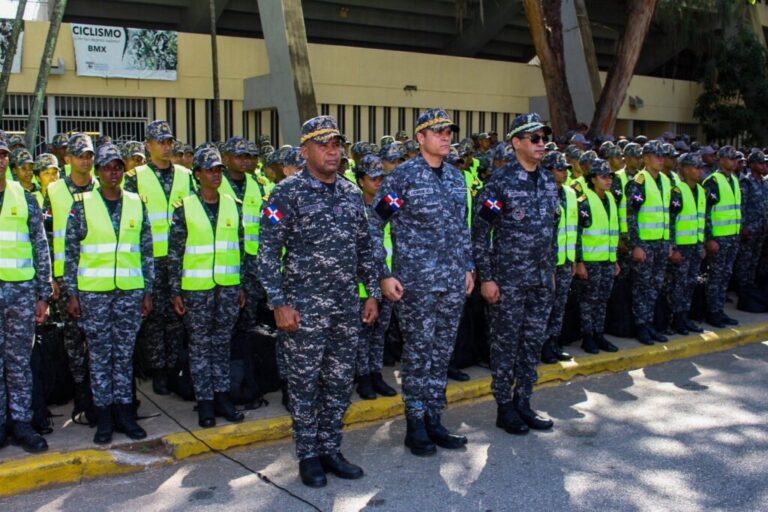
(56, 468)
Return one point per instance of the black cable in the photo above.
(264, 478)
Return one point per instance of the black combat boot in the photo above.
(206, 418)
(656, 335)
(3, 435)
(727, 320)
(548, 355)
(223, 406)
(26, 437)
(439, 435)
(560, 354)
(125, 421)
(380, 386)
(715, 320)
(529, 416)
(311, 472)
(644, 335)
(604, 344)
(508, 419)
(680, 324)
(365, 387)
(160, 382)
(693, 327)
(103, 433)
(341, 467)
(416, 438)
(456, 374)
(284, 392)
(588, 344)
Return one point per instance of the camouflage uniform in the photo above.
(754, 222)
(110, 319)
(522, 208)
(427, 213)
(327, 251)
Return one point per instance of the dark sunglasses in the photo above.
(536, 138)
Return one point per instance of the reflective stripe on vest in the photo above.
(689, 223)
(252, 202)
(109, 262)
(566, 228)
(600, 240)
(653, 216)
(15, 245)
(160, 208)
(726, 214)
(61, 204)
(624, 179)
(208, 260)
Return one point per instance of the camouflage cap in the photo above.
(159, 130)
(550, 146)
(653, 147)
(572, 152)
(740, 155)
(579, 138)
(527, 123)
(393, 152)
(465, 147)
(369, 165)
(690, 159)
(756, 156)
(669, 150)
(612, 151)
(188, 148)
(727, 151)
(253, 148)
(206, 144)
(695, 146)
(599, 168)
(46, 161)
(133, 148)
(641, 139)
(633, 149)
(587, 158)
(385, 140)
(79, 143)
(102, 139)
(178, 147)
(668, 136)
(504, 152)
(435, 119)
(707, 151)
(400, 134)
(357, 147)
(16, 140)
(280, 155)
(4, 146)
(554, 161)
(267, 150)
(106, 153)
(483, 136)
(237, 146)
(21, 156)
(294, 158)
(373, 148)
(320, 129)
(3, 135)
(411, 146)
(59, 140)
(206, 158)
(264, 140)
(622, 143)
(453, 156)
(681, 146)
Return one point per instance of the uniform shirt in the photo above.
(523, 210)
(77, 229)
(315, 246)
(635, 199)
(41, 257)
(754, 204)
(427, 212)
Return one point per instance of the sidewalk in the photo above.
(73, 457)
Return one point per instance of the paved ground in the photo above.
(685, 435)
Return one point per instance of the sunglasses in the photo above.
(536, 138)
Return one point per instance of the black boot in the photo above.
(548, 355)
(26, 437)
(604, 344)
(588, 344)
(692, 326)
(456, 374)
(727, 320)
(680, 324)
(644, 335)
(365, 387)
(656, 335)
(340, 467)
(560, 354)
(311, 472)
(3, 436)
(206, 418)
(125, 421)
(529, 416)
(223, 406)
(715, 320)
(160, 382)
(284, 392)
(103, 433)
(380, 386)
(416, 438)
(439, 435)
(83, 403)
(508, 419)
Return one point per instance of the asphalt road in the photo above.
(685, 435)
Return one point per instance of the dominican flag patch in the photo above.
(388, 205)
(491, 209)
(272, 214)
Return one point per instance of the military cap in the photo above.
(669, 150)
(527, 123)
(369, 165)
(3, 135)
(16, 140)
(59, 140)
(740, 156)
(133, 148)
(687, 159)
(727, 151)
(579, 138)
(681, 146)
(756, 156)
(668, 136)
(102, 139)
(653, 147)
(357, 147)
(159, 130)
(373, 148)
(486, 162)
(453, 156)
(294, 158)
(206, 158)
(599, 168)
(219, 145)
(604, 147)
(554, 161)
(622, 143)
(504, 152)
(392, 152)
(280, 156)
(483, 136)
(178, 147)
(550, 146)
(641, 139)
(4, 146)
(46, 161)
(253, 148)
(587, 158)
(612, 151)
(695, 146)
(706, 150)
(79, 143)
(465, 147)
(106, 153)
(434, 119)
(411, 145)
(400, 134)
(320, 129)
(385, 140)
(267, 149)
(21, 156)
(237, 146)
(573, 152)
(633, 149)
(206, 144)
(188, 148)
(264, 140)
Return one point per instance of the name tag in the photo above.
(518, 193)
(310, 208)
(421, 192)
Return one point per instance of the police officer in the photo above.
(754, 222)
(425, 202)
(160, 184)
(721, 232)
(320, 221)
(204, 265)
(392, 155)
(109, 272)
(648, 199)
(133, 155)
(520, 204)
(596, 255)
(555, 163)
(22, 167)
(687, 211)
(411, 148)
(58, 147)
(25, 286)
(46, 169)
(709, 157)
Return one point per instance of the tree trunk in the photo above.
(547, 33)
(216, 111)
(10, 51)
(639, 16)
(33, 124)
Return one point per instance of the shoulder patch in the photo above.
(388, 205)
(178, 204)
(582, 198)
(131, 173)
(77, 196)
(639, 179)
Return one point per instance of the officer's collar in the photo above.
(314, 182)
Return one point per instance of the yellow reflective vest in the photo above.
(567, 228)
(16, 253)
(61, 204)
(653, 216)
(252, 202)
(726, 214)
(689, 222)
(600, 240)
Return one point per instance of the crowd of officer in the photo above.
(140, 241)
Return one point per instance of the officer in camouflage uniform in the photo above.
(205, 257)
(58, 147)
(22, 167)
(315, 248)
(109, 272)
(425, 203)
(411, 148)
(754, 222)
(520, 204)
(392, 155)
(25, 286)
(133, 154)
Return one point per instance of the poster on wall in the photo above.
(6, 27)
(122, 52)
